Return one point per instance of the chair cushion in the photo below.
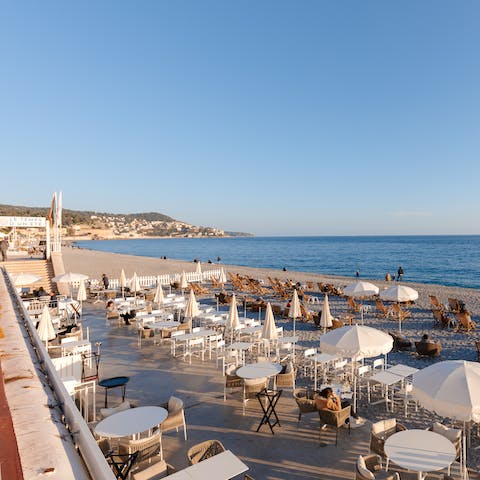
(174, 404)
(153, 471)
(453, 434)
(106, 412)
(289, 367)
(384, 427)
(363, 470)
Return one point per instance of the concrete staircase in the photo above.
(41, 268)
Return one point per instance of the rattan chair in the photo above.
(369, 467)
(305, 399)
(380, 432)
(202, 451)
(335, 419)
(176, 416)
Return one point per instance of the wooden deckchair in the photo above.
(464, 321)
(382, 311)
(435, 303)
(441, 318)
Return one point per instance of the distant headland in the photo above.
(89, 225)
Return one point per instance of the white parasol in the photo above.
(191, 307)
(22, 279)
(198, 268)
(70, 278)
(45, 328)
(135, 283)
(232, 318)
(399, 293)
(295, 310)
(450, 389)
(326, 317)
(269, 329)
(222, 278)
(183, 282)
(81, 296)
(159, 298)
(360, 289)
(123, 281)
(356, 342)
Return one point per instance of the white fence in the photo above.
(150, 281)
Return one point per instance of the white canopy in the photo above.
(450, 389)
(326, 317)
(361, 289)
(399, 293)
(356, 341)
(269, 331)
(70, 277)
(45, 328)
(191, 308)
(24, 279)
(295, 311)
(232, 318)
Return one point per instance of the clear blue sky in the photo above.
(272, 117)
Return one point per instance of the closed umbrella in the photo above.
(326, 317)
(135, 284)
(399, 293)
(222, 278)
(198, 268)
(269, 329)
(450, 389)
(183, 282)
(191, 307)
(295, 310)
(81, 297)
(123, 281)
(232, 318)
(45, 328)
(159, 298)
(361, 289)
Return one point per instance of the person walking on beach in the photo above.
(357, 273)
(399, 273)
(3, 249)
(105, 281)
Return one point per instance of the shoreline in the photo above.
(97, 262)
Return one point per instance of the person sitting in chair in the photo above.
(127, 316)
(329, 400)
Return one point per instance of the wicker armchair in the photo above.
(286, 380)
(232, 381)
(428, 349)
(305, 399)
(380, 432)
(335, 419)
(176, 416)
(146, 447)
(369, 467)
(202, 451)
(154, 470)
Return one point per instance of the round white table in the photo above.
(420, 450)
(259, 370)
(130, 422)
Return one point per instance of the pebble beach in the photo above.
(455, 344)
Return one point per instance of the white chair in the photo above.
(175, 338)
(196, 347)
(309, 362)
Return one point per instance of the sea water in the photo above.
(446, 260)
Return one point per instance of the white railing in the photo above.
(91, 454)
(150, 281)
